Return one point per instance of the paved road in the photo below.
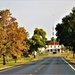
(46, 66)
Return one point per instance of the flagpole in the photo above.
(53, 34)
(53, 28)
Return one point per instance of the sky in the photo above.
(42, 14)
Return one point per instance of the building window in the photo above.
(51, 46)
(54, 46)
(51, 50)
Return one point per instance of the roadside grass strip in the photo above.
(11, 62)
(69, 64)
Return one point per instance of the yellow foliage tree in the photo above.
(13, 38)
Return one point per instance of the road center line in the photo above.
(69, 64)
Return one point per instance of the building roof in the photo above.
(53, 43)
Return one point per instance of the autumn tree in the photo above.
(17, 37)
(3, 44)
(13, 40)
(4, 15)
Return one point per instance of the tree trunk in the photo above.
(4, 60)
(15, 59)
(34, 56)
(73, 51)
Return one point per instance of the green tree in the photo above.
(53, 39)
(38, 39)
(66, 30)
(48, 41)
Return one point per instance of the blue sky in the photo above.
(32, 14)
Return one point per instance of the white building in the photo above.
(54, 47)
(41, 50)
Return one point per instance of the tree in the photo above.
(23, 38)
(48, 41)
(66, 30)
(13, 38)
(38, 39)
(17, 37)
(4, 15)
(53, 39)
(3, 44)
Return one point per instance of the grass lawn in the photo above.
(70, 57)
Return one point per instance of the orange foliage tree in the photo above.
(13, 38)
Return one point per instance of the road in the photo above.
(46, 66)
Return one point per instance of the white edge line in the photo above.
(69, 64)
(10, 68)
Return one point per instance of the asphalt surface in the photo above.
(46, 66)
